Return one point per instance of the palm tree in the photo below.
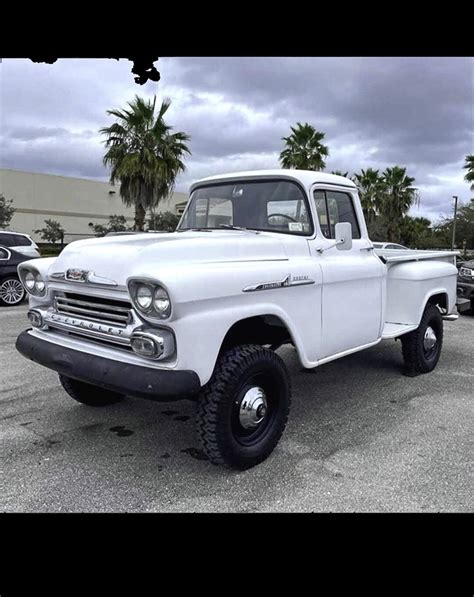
(371, 189)
(143, 155)
(304, 149)
(469, 165)
(339, 173)
(399, 195)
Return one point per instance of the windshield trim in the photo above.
(260, 179)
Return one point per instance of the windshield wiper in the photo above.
(230, 227)
(195, 229)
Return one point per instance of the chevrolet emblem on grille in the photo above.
(77, 275)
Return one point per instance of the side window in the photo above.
(320, 200)
(20, 241)
(4, 253)
(7, 240)
(336, 207)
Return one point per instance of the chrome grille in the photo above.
(105, 311)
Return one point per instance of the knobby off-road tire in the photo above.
(243, 410)
(421, 348)
(89, 394)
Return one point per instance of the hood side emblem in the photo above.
(302, 280)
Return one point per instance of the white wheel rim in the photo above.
(11, 291)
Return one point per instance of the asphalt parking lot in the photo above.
(361, 437)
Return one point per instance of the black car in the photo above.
(11, 290)
(466, 286)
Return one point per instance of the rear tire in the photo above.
(421, 348)
(88, 394)
(243, 410)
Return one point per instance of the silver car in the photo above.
(378, 245)
(19, 242)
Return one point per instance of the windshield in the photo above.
(274, 206)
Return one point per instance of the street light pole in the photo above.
(454, 221)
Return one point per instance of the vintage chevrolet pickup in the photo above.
(259, 259)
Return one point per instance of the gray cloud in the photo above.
(415, 112)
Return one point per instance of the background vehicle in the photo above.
(21, 243)
(465, 287)
(11, 289)
(378, 245)
(259, 259)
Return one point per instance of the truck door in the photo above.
(352, 279)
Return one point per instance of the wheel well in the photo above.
(10, 275)
(261, 329)
(440, 300)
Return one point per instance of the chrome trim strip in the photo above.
(9, 254)
(86, 277)
(288, 281)
(93, 279)
(83, 331)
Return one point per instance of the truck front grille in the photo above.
(91, 308)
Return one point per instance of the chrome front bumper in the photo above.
(125, 378)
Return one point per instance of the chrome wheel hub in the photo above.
(253, 408)
(11, 291)
(429, 339)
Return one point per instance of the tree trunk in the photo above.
(139, 217)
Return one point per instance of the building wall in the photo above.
(73, 202)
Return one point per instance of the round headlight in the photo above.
(39, 285)
(161, 302)
(29, 281)
(144, 297)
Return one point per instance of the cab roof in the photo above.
(304, 177)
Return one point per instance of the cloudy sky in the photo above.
(375, 112)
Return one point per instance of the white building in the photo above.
(73, 202)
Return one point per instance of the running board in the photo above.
(393, 330)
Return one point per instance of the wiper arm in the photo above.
(230, 227)
(195, 229)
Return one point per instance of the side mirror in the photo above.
(344, 236)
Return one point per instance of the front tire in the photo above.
(243, 410)
(12, 292)
(88, 394)
(421, 348)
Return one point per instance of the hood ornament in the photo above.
(77, 275)
(83, 276)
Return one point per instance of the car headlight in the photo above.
(150, 298)
(144, 297)
(161, 302)
(33, 281)
(466, 272)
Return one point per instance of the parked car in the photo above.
(19, 242)
(465, 287)
(259, 259)
(379, 245)
(11, 289)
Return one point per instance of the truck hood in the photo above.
(117, 257)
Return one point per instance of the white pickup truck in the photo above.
(259, 259)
